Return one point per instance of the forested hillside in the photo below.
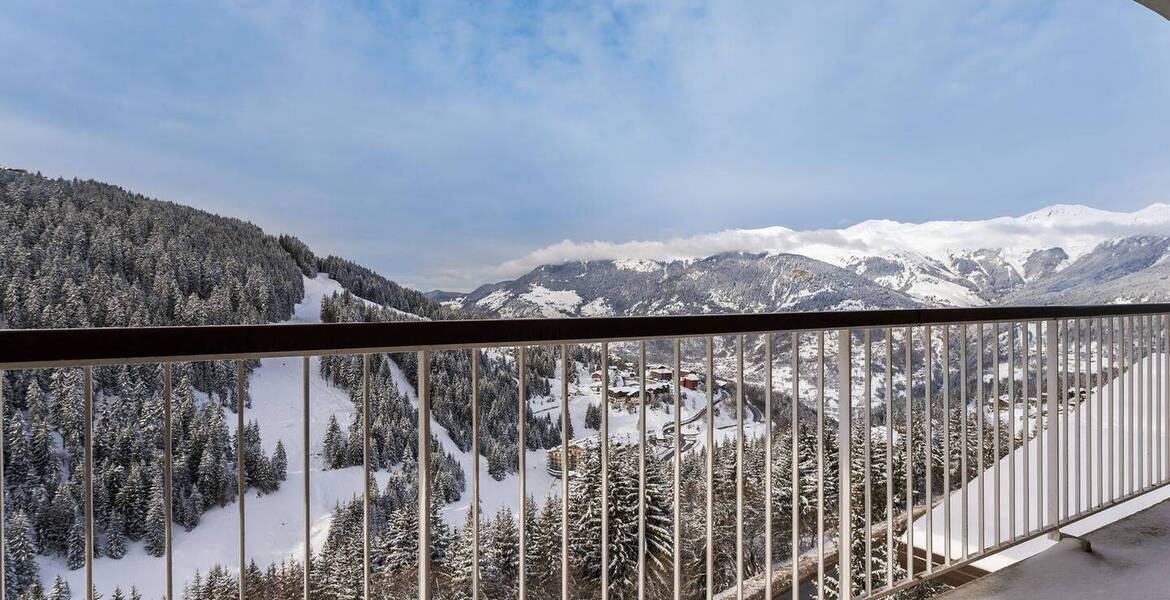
(86, 254)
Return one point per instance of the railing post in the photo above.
(88, 478)
(168, 567)
(305, 466)
(521, 450)
(367, 499)
(1052, 410)
(844, 441)
(241, 476)
(424, 478)
(3, 516)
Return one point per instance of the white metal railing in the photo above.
(925, 408)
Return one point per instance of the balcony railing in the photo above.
(1029, 419)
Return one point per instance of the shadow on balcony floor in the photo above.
(1130, 559)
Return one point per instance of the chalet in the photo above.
(627, 396)
(659, 373)
(578, 450)
(691, 381)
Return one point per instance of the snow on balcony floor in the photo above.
(1130, 559)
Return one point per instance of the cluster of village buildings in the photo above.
(625, 385)
(623, 390)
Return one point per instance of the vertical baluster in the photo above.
(867, 430)
(1148, 399)
(566, 425)
(1053, 483)
(710, 520)
(4, 515)
(795, 441)
(739, 407)
(1084, 411)
(604, 448)
(522, 451)
(845, 463)
(889, 334)
(1130, 396)
(963, 504)
(1065, 434)
(995, 424)
(367, 498)
(1156, 393)
(168, 486)
(677, 483)
(1075, 342)
(642, 470)
(928, 449)
(1040, 412)
(768, 341)
(820, 462)
(908, 350)
(979, 415)
(1142, 445)
(1026, 427)
(475, 489)
(1100, 402)
(307, 558)
(1011, 429)
(1151, 440)
(240, 475)
(1114, 405)
(1164, 387)
(946, 420)
(87, 372)
(424, 474)
(1140, 400)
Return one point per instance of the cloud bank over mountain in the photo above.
(1076, 229)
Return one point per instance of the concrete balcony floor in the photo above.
(1130, 559)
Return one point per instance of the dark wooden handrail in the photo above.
(35, 348)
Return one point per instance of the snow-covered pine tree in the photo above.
(20, 551)
(75, 553)
(154, 534)
(60, 590)
(279, 461)
(501, 554)
(115, 536)
(592, 417)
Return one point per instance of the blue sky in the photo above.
(440, 141)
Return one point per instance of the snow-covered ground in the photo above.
(1089, 476)
(274, 522)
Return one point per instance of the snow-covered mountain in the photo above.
(725, 283)
(1133, 269)
(940, 263)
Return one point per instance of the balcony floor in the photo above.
(1130, 559)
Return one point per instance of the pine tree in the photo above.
(116, 537)
(156, 524)
(501, 554)
(20, 550)
(56, 521)
(592, 417)
(75, 554)
(279, 462)
(334, 452)
(461, 562)
(60, 590)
